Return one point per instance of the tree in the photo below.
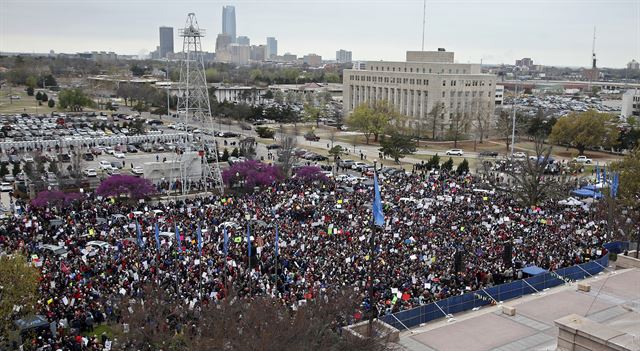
(55, 198)
(48, 81)
(434, 162)
(235, 152)
(225, 155)
(30, 91)
(528, 184)
(447, 166)
(16, 169)
(336, 151)
(590, 129)
(457, 127)
(312, 113)
(51, 103)
(132, 187)
(397, 146)
(287, 156)
(4, 170)
(137, 127)
(53, 167)
(19, 290)
(29, 170)
(481, 115)
(162, 323)
(137, 71)
(361, 120)
(278, 97)
(44, 97)
(74, 99)
(629, 169)
(504, 126)
(31, 82)
(463, 167)
(249, 174)
(265, 132)
(311, 174)
(539, 125)
(39, 96)
(436, 115)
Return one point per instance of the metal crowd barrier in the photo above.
(456, 304)
(113, 140)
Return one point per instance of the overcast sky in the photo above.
(551, 32)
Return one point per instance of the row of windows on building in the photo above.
(452, 93)
(416, 81)
(417, 70)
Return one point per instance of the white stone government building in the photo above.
(414, 87)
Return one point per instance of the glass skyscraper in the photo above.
(229, 22)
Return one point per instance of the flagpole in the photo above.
(372, 242)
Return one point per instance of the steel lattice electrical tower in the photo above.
(193, 102)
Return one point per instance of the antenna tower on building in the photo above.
(194, 108)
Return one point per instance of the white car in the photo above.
(4, 187)
(582, 159)
(90, 172)
(519, 155)
(105, 165)
(137, 170)
(27, 158)
(455, 152)
(109, 150)
(118, 155)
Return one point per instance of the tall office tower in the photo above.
(272, 47)
(243, 40)
(343, 56)
(229, 22)
(166, 41)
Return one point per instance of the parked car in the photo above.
(519, 155)
(116, 164)
(273, 146)
(4, 187)
(582, 159)
(131, 148)
(14, 159)
(488, 154)
(105, 165)
(88, 157)
(137, 171)
(27, 158)
(118, 155)
(311, 137)
(64, 158)
(9, 178)
(455, 152)
(90, 172)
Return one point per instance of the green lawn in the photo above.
(98, 330)
(26, 104)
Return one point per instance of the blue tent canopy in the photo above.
(589, 187)
(533, 270)
(587, 193)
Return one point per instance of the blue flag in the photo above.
(604, 174)
(226, 241)
(614, 185)
(157, 234)
(249, 239)
(597, 173)
(378, 216)
(178, 239)
(277, 239)
(199, 240)
(140, 242)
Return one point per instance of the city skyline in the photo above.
(483, 31)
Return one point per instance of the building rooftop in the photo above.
(614, 301)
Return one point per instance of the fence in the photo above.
(101, 140)
(455, 304)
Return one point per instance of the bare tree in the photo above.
(504, 126)
(457, 127)
(531, 181)
(481, 117)
(162, 321)
(288, 141)
(436, 116)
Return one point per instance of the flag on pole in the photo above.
(277, 239)
(249, 239)
(604, 174)
(178, 239)
(199, 240)
(140, 243)
(614, 185)
(597, 173)
(157, 235)
(378, 216)
(225, 246)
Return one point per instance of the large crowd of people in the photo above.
(323, 231)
